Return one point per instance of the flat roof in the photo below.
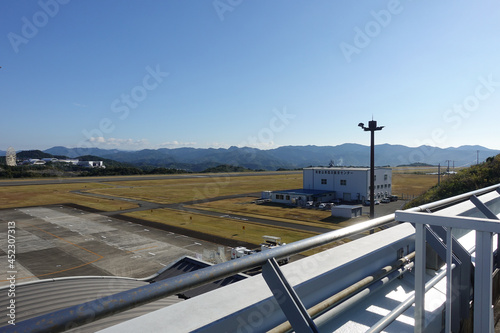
(302, 191)
(44, 296)
(344, 168)
(347, 206)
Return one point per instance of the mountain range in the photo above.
(286, 157)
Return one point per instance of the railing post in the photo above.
(419, 277)
(449, 272)
(483, 314)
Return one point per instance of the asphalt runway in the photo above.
(104, 179)
(59, 241)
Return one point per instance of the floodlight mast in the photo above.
(372, 127)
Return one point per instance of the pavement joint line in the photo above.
(63, 270)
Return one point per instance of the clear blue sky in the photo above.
(151, 74)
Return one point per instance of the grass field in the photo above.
(39, 195)
(223, 227)
(198, 189)
(412, 181)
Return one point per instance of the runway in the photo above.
(105, 179)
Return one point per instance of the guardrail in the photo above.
(78, 315)
(484, 228)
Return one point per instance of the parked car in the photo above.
(367, 202)
(325, 205)
(385, 200)
(393, 198)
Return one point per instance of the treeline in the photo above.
(465, 180)
(35, 171)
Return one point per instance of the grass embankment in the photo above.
(40, 195)
(466, 180)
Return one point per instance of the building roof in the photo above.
(40, 297)
(344, 168)
(188, 264)
(302, 191)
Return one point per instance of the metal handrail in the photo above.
(81, 314)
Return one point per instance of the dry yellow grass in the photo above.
(245, 206)
(193, 189)
(39, 195)
(412, 181)
(222, 227)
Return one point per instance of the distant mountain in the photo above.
(75, 152)
(286, 157)
(27, 154)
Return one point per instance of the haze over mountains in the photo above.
(286, 157)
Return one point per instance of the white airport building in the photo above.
(328, 184)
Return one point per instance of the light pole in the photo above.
(372, 127)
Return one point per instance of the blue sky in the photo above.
(151, 74)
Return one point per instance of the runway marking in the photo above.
(62, 270)
(195, 243)
(144, 248)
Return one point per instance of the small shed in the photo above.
(347, 211)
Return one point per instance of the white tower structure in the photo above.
(10, 157)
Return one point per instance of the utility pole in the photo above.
(372, 127)
(439, 173)
(477, 157)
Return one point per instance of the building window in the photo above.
(343, 182)
(385, 177)
(323, 181)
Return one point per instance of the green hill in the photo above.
(466, 180)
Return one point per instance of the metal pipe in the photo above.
(332, 301)
(81, 314)
(406, 304)
(347, 304)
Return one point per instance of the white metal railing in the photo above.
(484, 228)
